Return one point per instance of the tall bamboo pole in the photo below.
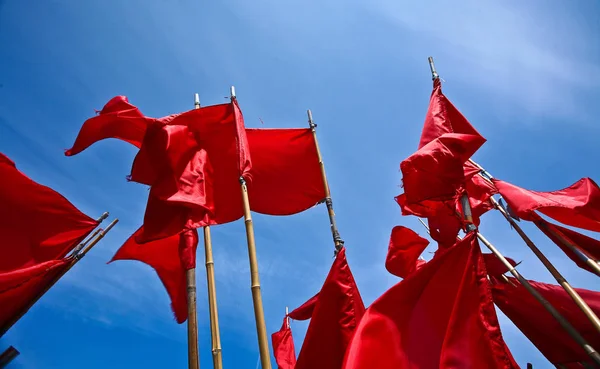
(466, 206)
(192, 321)
(212, 288)
(259, 315)
(560, 279)
(73, 259)
(337, 240)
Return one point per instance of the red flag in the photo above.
(494, 266)
(403, 251)
(305, 311)
(439, 317)
(541, 328)
(19, 287)
(435, 171)
(286, 176)
(588, 245)
(166, 256)
(37, 224)
(336, 313)
(577, 205)
(283, 346)
(443, 117)
(118, 119)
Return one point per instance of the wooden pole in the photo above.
(212, 301)
(560, 279)
(259, 315)
(192, 321)
(7, 356)
(73, 259)
(88, 239)
(529, 366)
(212, 288)
(337, 240)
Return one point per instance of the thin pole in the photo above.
(287, 316)
(561, 319)
(212, 301)
(7, 356)
(212, 288)
(337, 240)
(259, 315)
(73, 260)
(88, 239)
(562, 281)
(192, 321)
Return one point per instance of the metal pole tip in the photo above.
(232, 91)
(196, 99)
(434, 74)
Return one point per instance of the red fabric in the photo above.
(435, 171)
(336, 314)
(440, 317)
(118, 119)
(494, 266)
(188, 243)
(442, 117)
(283, 347)
(163, 256)
(479, 191)
(19, 287)
(588, 245)
(404, 250)
(305, 311)
(541, 328)
(37, 224)
(577, 205)
(286, 176)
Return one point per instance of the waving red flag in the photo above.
(169, 257)
(37, 224)
(442, 316)
(577, 205)
(403, 251)
(283, 346)
(336, 311)
(541, 328)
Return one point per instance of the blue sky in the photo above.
(526, 74)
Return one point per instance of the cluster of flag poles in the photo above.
(205, 168)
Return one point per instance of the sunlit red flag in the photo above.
(283, 346)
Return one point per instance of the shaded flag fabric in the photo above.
(435, 171)
(283, 346)
(19, 287)
(577, 205)
(588, 245)
(335, 314)
(442, 316)
(305, 311)
(443, 117)
(541, 328)
(404, 250)
(164, 257)
(37, 224)
(494, 266)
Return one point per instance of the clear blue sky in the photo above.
(526, 74)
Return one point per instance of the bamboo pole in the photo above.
(259, 315)
(560, 279)
(192, 321)
(337, 240)
(211, 287)
(212, 301)
(89, 238)
(73, 259)
(8, 356)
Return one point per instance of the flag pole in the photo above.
(88, 239)
(73, 259)
(469, 226)
(259, 315)
(192, 320)
(7, 356)
(211, 287)
(337, 240)
(581, 304)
